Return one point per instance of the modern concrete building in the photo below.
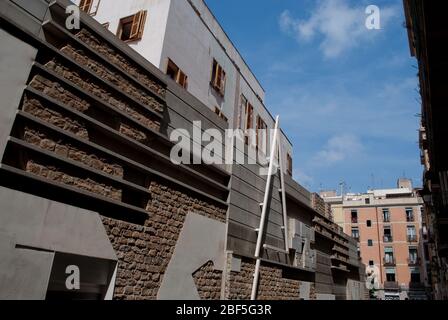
(93, 207)
(427, 31)
(184, 40)
(392, 238)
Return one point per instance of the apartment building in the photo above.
(426, 26)
(185, 41)
(392, 237)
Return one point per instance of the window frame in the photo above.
(137, 23)
(354, 216)
(178, 74)
(218, 78)
(384, 211)
(262, 140)
(87, 6)
(289, 167)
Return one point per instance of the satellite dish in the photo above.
(372, 277)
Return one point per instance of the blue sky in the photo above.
(346, 95)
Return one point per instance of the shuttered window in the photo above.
(218, 80)
(175, 73)
(89, 6)
(85, 5)
(131, 28)
(262, 136)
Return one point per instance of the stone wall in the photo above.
(145, 251)
(67, 150)
(119, 59)
(272, 283)
(105, 73)
(208, 282)
(57, 118)
(61, 175)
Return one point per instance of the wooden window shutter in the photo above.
(138, 25)
(222, 84)
(85, 5)
(216, 74)
(94, 8)
(213, 75)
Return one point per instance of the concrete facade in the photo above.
(187, 33)
(88, 149)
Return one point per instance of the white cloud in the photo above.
(303, 178)
(340, 26)
(338, 148)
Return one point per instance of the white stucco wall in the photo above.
(150, 46)
(175, 30)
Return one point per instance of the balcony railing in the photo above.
(354, 220)
(391, 285)
(387, 239)
(410, 218)
(386, 218)
(412, 238)
(413, 261)
(389, 261)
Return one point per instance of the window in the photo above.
(89, 6)
(354, 214)
(411, 233)
(174, 72)
(218, 111)
(131, 28)
(289, 164)
(415, 274)
(371, 263)
(218, 81)
(390, 274)
(369, 223)
(355, 233)
(387, 234)
(249, 121)
(262, 136)
(409, 215)
(370, 243)
(413, 255)
(389, 255)
(386, 215)
(241, 113)
(367, 200)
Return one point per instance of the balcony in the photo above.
(410, 218)
(387, 238)
(413, 261)
(386, 219)
(412, 238)
(389, 261)
(354, 220)
(391, 285)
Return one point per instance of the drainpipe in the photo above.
(253, 295)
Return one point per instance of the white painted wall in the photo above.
(151, 45)
(192, 47)
(175, 30)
